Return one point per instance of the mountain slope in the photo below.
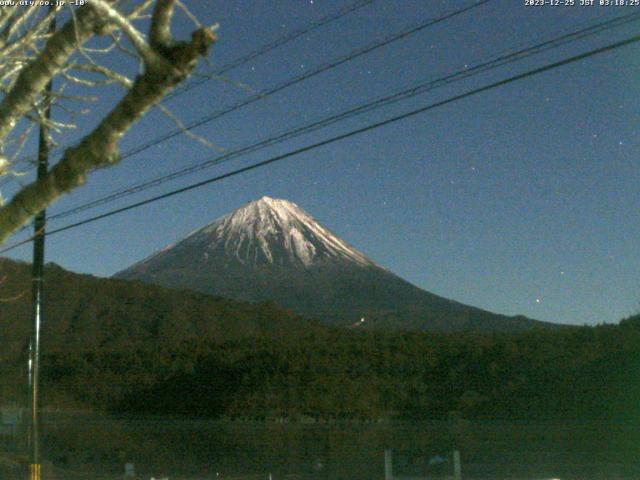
(83, 313)
(273, 250)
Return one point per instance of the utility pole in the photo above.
(38, 283)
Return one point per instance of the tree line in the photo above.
(126, 347)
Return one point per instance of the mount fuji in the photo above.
(272, 250)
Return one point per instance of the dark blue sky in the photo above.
(521, 200)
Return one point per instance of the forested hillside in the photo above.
(582, 373)
(88, 317)
(127, 347)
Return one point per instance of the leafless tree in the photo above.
(31, 56)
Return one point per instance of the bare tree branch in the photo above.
(111, 75)
(138, 12)
(148, 54)
(170, 64)
(180, 124)
(34, 77)
(160, 32)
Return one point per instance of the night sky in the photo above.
(521, 200)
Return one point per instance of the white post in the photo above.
(129, 470)
(388, 465)
(457, 467)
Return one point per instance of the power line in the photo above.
(255, 54)
(378, 103)
(305, 76)
(344, 136)
(272, 46)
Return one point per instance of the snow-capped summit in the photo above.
(273, 250)
(274, 231)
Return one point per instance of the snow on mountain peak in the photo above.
(276, 231)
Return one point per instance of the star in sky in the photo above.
(479, 124)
